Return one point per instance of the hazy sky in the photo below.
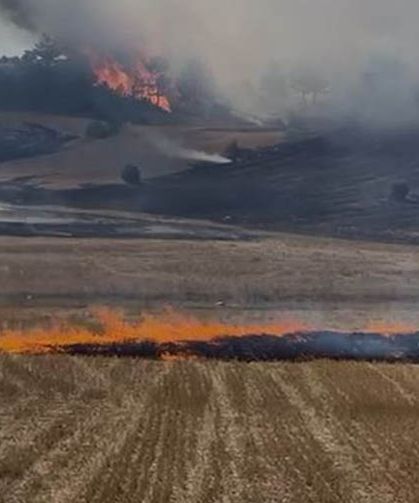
(238, 39)
(12, 40)
(235, 37)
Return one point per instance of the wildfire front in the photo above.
(140, 78)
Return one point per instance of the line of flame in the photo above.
(169, 326)
(111, 327)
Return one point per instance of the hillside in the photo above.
(336, 181)
(99, 162)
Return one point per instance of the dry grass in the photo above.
(312, 277)
(96, 430)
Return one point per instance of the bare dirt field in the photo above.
(113, 430)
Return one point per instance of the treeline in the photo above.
(49, 79)
(52, 79)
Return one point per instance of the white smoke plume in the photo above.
(199, 156)
(174, 149)
(252, 47)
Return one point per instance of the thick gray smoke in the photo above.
(264, 55)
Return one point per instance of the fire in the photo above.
(136, 80)
(173, 336)
(168, 327)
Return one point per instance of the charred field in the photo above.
(304, 346)
(337, 182)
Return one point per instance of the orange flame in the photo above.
(138, 81)
(167, 327)
(111, 327)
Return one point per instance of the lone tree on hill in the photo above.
(46, 52)
(309, 83)
(232, 151)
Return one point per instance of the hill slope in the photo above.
(98, 162)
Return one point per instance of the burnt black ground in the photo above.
(299, 346)
(336, 183)
(30, 140)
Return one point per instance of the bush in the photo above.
(99, 130)
(131, 175)
(232, 151)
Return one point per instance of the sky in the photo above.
(241, 40)
(13, 41)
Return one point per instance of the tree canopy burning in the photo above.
(367, 62)
(111, 84)
(139, 79)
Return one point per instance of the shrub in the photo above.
(99, 130)
(131, 175)
(232, 151)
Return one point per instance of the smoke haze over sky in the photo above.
(239, 40)
(13, 41)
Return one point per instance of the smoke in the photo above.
(173, 149)
(198, 155)
(364, 49)
(15, 10)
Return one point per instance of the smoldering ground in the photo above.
(362, 346)
(172, 334)
(366, 51)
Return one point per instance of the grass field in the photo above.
(324, 282)
(112, 430)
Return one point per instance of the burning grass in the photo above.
(109, 327)
(173, 335)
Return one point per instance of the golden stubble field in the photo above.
(114, 430)
(95, 430)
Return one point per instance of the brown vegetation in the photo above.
(316, 279)
(109, 430)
